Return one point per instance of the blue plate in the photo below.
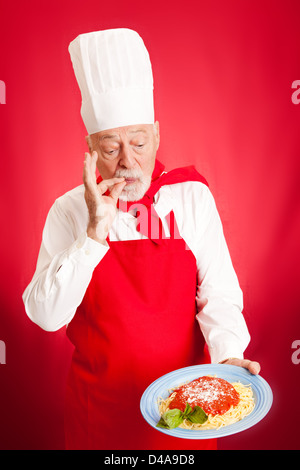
(160, 389)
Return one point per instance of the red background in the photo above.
(223, 73)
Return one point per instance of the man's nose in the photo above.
(127, 159)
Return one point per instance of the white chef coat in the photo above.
(68, 257)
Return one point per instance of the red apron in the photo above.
(135, 323)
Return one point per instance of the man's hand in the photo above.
(102, 209)
(252, 366)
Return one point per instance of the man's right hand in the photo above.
(102, 209)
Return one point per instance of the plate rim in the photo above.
(260, 386)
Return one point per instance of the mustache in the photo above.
(129, 173)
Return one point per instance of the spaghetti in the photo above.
(223, 403)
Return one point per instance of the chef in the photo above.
(134, 261)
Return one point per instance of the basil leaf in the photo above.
(187, 411)
(171, 419)
(197, 416)
(162, 424)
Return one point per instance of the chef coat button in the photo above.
(87, 252)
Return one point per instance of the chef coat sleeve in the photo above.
(63, 272)
(219, 297)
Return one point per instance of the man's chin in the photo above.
(134, 192)
(131, 196)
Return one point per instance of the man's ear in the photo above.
(89, 143)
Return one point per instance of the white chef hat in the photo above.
(114, 74)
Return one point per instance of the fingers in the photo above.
(117, 189)
(90, 181)
(104, 185)
(252, 366)
(89, 169)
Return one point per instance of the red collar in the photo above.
(159, 179)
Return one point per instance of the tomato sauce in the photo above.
(212, 394)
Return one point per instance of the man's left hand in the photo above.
(252, 366)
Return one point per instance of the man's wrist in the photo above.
(92, 233)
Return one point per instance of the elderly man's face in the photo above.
(130, 152)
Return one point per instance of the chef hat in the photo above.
(114, 74)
